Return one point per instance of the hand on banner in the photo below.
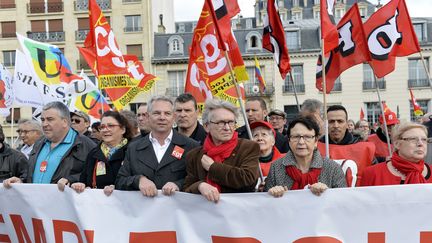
(169, 188)
(318, 188)
(206, 162)
(208, 191)
(8, 182)
(62, 183)
(278, 191)
(147, 187)
(78, 187)
(108, 190)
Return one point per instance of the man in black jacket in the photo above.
(158, 160)
(256, 110)
(12, 162)
(186, 113)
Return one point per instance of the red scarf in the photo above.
(219, 153)
(412, 171)
(301, 180)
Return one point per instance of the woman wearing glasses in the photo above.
(225, 163)
(104, 161)
(303, 166)
(407, 165)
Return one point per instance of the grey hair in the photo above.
(159, 98)
(312, 106)
(33, 123)
(61, 108)
(213, 104)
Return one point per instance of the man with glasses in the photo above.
(142, 117)
(12, 162)
(225, 163)
(158, 160)
(81, 122)
(278, 120)
(29, 131)
(59, 157)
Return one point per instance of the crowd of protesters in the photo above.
(146, 152)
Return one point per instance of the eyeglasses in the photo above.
(108, 126)
(76, 120)
(306, 138)
(415, 140)
(19, 131)
(276, 118)
(222, 124)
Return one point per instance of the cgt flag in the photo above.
(417, 109)
(208, 72)
(329, 33)
(352, 49)
(390, 34)
(274, 38)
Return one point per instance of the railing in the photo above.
(368, 85)
(54, 36)
(33, 8)
(80, 35)
(131, 1)
(8, 35)
(289, 88)
(132, 29)
(172, 92)
(81, 64)
(7, 5)
(413, 83)
(8, 64)
(337, 87)
(82, 5)
(253, 90)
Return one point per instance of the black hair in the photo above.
(338, 108)
(186, 97)
(307, 121)
(123, 121)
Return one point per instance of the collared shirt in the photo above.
(52, 157)
(26, 150)
(158, 148)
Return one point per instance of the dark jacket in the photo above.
(238, 173)
(281, 141)
(72, 163)
(112, 166)
(12, 163)
(140, 160)
(348, 139)
(199, 134)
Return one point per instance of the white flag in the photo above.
(6, 92)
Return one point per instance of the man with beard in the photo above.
(186, 111)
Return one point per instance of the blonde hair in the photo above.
(401, 128)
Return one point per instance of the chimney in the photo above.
(161, 27)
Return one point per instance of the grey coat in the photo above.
(331, 173)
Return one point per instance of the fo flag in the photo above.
(274, 38)
(390, 34)
(329, 33)
(416, 107)
(352, 49)
(208, 72)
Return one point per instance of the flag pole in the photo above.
(426, 69)
(383, 115)
(295, 91)
(326, 132)
(12, 125)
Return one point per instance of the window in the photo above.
(248, 23)
(317, 14)
(363, 12)
(17, 115)
(424, 105)
(288, 87)
(292, 39)
(373, 111)
(176, 82)
(9, 58)
(181, 28)
(316, 2)
(296, 15)
(175, 45)
(339, 13)
(337, 87)
(133, 23)
(7, 4)
(251, 73)
(281, 4)
(135, 50)
(253, 41)
(296, 3)
(369, 79)
(417, 75)
(419, 31)
(8, 29)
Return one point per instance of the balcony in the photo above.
(252, 90)
(8, 35)
(172, 92)
(370, 85)
(80, 35)
(289, 88)
(52, 36)
(132, 29)
(82, 5)
(40, 8)
(82, 64)
(418, 83)
(7, 5)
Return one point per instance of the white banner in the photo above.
(392, 214)
(6, 91)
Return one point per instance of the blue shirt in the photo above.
(52, 157)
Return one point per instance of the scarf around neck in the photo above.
(412, 171)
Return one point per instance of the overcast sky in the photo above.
(186, 10)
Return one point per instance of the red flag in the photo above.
(390, 34)
(417, 109)
(351, 51)
(386, 109)
(362, 115)
(274, 38)
(329, 31)
(208, 72)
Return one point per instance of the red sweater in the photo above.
(380, 175)
(265, 167)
